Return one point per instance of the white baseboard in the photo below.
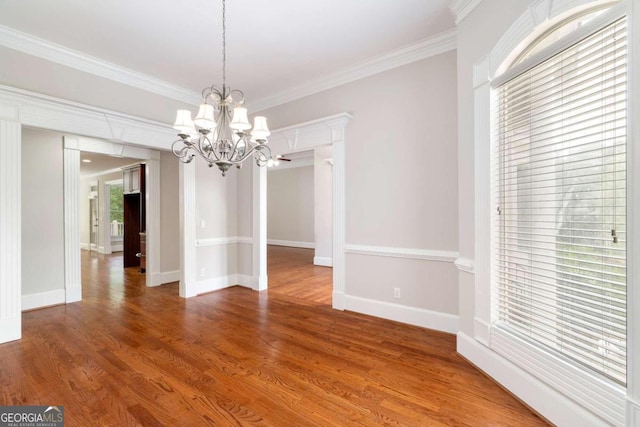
(73, 293)
(84, 246)
(10, 329)
(323, 261)
(117, 248)
(217, 283)
(102, 251)
(444, 322)
(291, 243)
(169, 277)
(337, 300)
(247, 281)
(43, 299)
(548, 402)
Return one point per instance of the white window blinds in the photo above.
(559, 272)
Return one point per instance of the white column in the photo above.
(10, 231)
(339, 216)
(72, 266)
(188, 286)
(152, 182)
(259, 264)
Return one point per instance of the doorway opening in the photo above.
(299, 225)
(112, 215)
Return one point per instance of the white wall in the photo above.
(290, 207)
(401, 186)
(42, 219)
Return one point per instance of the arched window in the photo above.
(559, 229)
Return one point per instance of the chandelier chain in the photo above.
(224, 45)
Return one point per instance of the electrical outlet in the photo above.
(396, 292)
(202, 272)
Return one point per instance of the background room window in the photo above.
(559, 235)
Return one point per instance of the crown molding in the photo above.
(35, 46)
(462, 8)
(408, 54)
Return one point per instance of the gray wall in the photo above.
(290, 204)
(42, 212)
(169, 213)
(401, 177)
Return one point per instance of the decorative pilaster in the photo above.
(72, 266)
(10, 231)
(339, 219)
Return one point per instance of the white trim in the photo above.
(217, 241)
(423, 49)
(215, 284)
(10, 328)
(633, 413)
(465, 265)
(116, 248)
(85, 246)
(444, 322)
(43, 299)
(552, 405)
(323, 261)
(218, 283)
(10, 226)
(633, 219)
(47, 112)
(71, 195)
(244, 240)
(462, 8)
(170, 276)
(598, 396)
(291, 243)
(247, 281)
(419, 254)
(32, 45)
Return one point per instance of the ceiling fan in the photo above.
(276, 160)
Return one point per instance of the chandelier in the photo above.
(220, 132)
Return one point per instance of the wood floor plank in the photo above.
(131, 355)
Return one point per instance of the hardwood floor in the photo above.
(292, 273)
(131, 355)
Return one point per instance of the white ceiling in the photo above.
(272, 46)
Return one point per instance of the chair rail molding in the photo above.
(419, 254)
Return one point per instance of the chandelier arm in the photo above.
(253, 150)
(261, 155)
(183, 152)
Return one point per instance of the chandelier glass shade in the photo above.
(221, 133)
